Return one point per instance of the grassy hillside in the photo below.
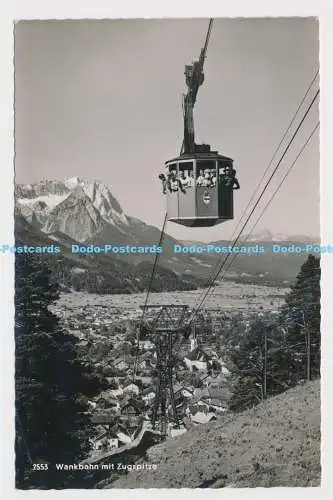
(275, 444)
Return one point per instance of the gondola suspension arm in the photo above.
(194, 78)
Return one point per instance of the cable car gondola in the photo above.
(199, 183)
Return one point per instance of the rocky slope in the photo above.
(275, 444)
(76, 207)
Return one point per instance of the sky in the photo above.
(102, 100)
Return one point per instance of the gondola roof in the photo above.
(211, 155)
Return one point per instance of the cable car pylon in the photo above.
(165, 324)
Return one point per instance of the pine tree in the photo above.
(51, 421)
(301, 319)
(249, 361)
(271, 357)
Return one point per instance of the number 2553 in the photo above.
(40, 467)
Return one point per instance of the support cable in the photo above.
(157, 257)
(210, 279)
(255, 205)
(273, 195)
(269, 202)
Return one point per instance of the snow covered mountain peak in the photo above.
(50, 200)
(73, 182)
(266, 235)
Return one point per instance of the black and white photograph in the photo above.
(167, 253)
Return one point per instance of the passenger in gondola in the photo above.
(182, 182)
(174, 182)
(230, 179)
(190, 179)
(207, 179)
(214, 179)
(200, 178)
(236, 183)
(221, 173)
(164, 182)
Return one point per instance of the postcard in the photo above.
(167, 253)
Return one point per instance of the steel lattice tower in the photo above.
(165, 326)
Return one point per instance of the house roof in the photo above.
(101, 435)
(124, 438)
(130, 409)
(210, 351)
(196, 353)
(148, 390)
(119, 361)
(116, 392)
(135, 403)
(129, 359)
(177, 388)
(144, 357)
(146, 341)
(111, 379)
(199, 401)
(131, 385)
(201, 393)
(107, 396)
(203, 418)
(117, 353)
(221, 394)
(144, 380)
(218, 402)
(188, 389)
(220, 380)
(103, 418)
(131, 421)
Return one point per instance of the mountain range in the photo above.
(79, 211)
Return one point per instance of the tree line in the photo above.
(51, 384)
(276, 353)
